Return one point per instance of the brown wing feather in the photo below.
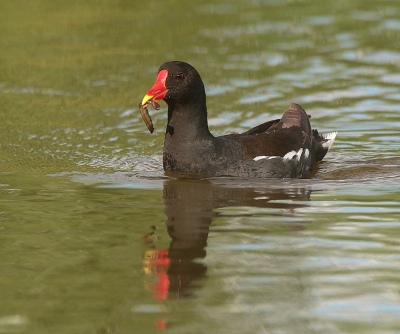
(262, 128)
(277, 137)
(294, 116)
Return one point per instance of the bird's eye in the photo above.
(179, 76)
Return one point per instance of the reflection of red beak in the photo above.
(157, 262)
(158, 91)
(161, 324)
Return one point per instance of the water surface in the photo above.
(95, 239)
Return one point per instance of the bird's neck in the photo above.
(187, 139)
(187, 122)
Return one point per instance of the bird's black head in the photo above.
(178, 83)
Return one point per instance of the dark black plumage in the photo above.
(281, 148)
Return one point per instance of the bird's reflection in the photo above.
(189, 207)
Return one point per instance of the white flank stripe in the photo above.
(299, 153)
(289, 155)
(265, 157)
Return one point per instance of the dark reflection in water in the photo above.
(189, 207)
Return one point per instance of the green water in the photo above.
(95, 239)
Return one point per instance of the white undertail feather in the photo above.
(330, 138)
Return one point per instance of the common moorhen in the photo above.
(281, 148)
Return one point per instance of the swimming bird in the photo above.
(280, 148)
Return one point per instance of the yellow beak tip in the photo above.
(146, 99)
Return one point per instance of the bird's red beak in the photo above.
(158, 91)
